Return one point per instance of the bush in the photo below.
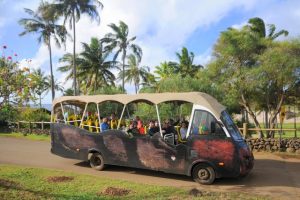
(8, 113)
(33, 115)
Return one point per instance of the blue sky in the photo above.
(162, 27)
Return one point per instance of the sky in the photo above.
(162, 28)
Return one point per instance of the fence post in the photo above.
(245, 129)
(30, 131)
(18, 124)
(42, 125)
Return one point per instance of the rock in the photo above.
(290, 150)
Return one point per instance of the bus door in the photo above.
(209, 142)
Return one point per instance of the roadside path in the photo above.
(272, 175)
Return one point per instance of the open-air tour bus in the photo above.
(104, 129)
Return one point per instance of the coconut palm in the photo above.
(72, 10)
(186, 66)
(118, 40)
(258, 26)
(41, 83)
(94, 66)
(43, 22)
(67, 61)
(58, 86)
(134, 73)
(165, 70)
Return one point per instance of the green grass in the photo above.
(33, 183)
(34, 137)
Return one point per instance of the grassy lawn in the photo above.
(35, 137)
(36, 183)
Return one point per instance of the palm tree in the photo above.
(186, 66)
(165, 69)
(67, 67)
(43, 22)
(94, 66)
(258, 26)
(72, 10)
(134, 74)
(58, 86)
(118, 40)
(41, 83)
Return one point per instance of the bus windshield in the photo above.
(230, 125)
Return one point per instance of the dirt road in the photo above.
(272, 175)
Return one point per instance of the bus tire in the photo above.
(97, 162)
(204, 174)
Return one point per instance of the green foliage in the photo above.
(15, 84)
(33, 115)
(119, 41)
(8, 113)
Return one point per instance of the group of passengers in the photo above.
(137, 127)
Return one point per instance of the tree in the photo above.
(258, 26)
(134, 73)
(71, 10)
(279, 66)
(245, 65)
(94, 66)
(118, 40)
(41, 83)
(185, 67)
(235, 57)
(43, 22)
(68, 92)
(15, 84)
(165, 70)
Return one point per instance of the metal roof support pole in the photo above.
(98, 115)
(83, 114)
(158, 118)
(119, 123)
(62, 109)
(52, 115)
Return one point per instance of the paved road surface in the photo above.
(272, 175)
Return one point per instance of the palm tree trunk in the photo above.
(74, 55)
(40, 101)
(136, 88)
(51, 72)
(123, 72)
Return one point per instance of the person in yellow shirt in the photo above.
(113, 121)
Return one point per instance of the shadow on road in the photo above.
(265, 173)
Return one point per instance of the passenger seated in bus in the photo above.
(142, 129)
(133, 129)
(104, 125)
(152, 128)
(139, 122)
(170, 129)
(113, 121)
(183, 130)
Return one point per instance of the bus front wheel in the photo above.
(97, 162)
(204, 174)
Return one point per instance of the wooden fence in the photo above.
(18, 125)
(245, 130)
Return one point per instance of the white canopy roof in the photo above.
(197, 98)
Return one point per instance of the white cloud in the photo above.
(162, 27)
(203, 59)
(284, 14)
